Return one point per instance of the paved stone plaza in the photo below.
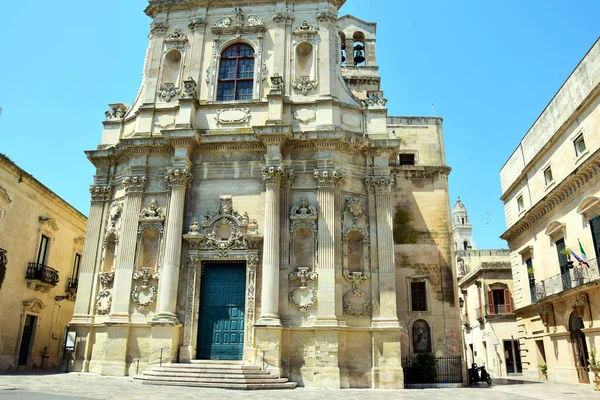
(88, 386)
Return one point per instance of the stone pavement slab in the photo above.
(71, 386)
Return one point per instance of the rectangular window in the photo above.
(579, 143)
(41, 258)
(548, 178)
(520, 203)
(76, 266)
(531, 278)
(418, 296)
(406, 159)
(595, 227)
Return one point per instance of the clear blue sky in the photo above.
(490, 67)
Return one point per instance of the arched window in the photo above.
(466, 245)
(343, 48)
(236, 73)
(421, 337)
(359, 49)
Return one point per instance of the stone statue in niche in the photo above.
(302, 231)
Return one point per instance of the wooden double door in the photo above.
(221, 315)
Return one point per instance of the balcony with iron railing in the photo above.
(577, 276)
(492, 310)
(41, 277)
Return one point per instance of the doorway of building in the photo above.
(221, 316)
(512, 357)
(27, 339)
(580, 353)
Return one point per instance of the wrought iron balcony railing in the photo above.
(42, 273)
(577, 276)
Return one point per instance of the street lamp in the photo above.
(461, 303)
(545, 313)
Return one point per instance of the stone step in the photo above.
(249, 386)
(190, 374)
(217, 362)
(211, 380)
(208, 370)
(205, 365)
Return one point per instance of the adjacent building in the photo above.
(486, 290)
(41, 243)
(256, 202)
(551, 195)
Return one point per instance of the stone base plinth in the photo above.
(268, 348)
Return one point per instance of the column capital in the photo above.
(134, 184)
(324, 179)
(273, 175)
(101, 192)
(379, 185)
(178, 177)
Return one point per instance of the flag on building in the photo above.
(583, 255)
(579, 259)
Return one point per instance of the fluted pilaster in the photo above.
(326, 182)
(134, 189)
(269, 313)
(382, 188)
(178, 180)
(100, 194)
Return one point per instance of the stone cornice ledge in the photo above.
(109, 154)
(421, 171)
(570, 185)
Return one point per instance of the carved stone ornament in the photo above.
(356, 302)
(303, 296)
(194, 228)
(176, 36)
(273, 175)
(104, 298)
(381, 185)
(100, 192)
(304, 85)
(114, 221)
(144, 295)
(305, 28)
(251, 265)
(354, 216)
(158, 27)
(326, 16)
(116, 111)
(305, 212)
(375, 100)
(168, 92)
(236, 24)
(134, 184)
(282, 16)
(232, 116)
(196, 23)
(276, 84)
(33, 305)
(190, 88)
(255, 21)
(152, 212)
(178, 177)
(327, 178)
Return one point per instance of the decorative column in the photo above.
(100, 195)
(186, 353)
(134, 189)
(178, 181)
(284, 266)
(382, 188)
(269, 313)
(326, 182)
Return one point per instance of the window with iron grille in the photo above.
(418, 296)
(236, 73)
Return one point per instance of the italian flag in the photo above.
(584, 259)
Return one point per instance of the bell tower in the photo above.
(462, 230)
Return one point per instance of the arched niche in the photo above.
(171, 67)
(303, 246)
(304, 61)
(148, 249)
(421, 337)
(109, 253)
(355, 250)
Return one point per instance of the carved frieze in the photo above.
(238, 24)
(134, 184)
(233, 116)
(104, 298)
(144, 295)
(303, 296)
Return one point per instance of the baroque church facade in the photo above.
(257, 203)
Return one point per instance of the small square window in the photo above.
(520, 203)
(548, 178)
(406, 159)
(579, 145)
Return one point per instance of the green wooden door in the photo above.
(221, 319)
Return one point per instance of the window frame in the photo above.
(235, 80)
(418, 279)
(43, 249)
(580, 139)
(76, 266)
(548, 171)
(418, 288)
(520, 203)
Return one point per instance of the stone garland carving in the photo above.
(305, 212)
(327, 178)
(104, 298)
(251, 265)
(100, 193)
(168, 92)
(116, 111)
(304, 85)
(190, 88)
(273, 175)
(232, 116)
(178, 177)
(381, 185)
(303, 296)
(305, 28)
(152, 212)
(375, 100)
(134, 184)
(144, 295)
(237, 24)
(176, 36)
(356, 302)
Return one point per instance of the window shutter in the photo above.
(507, 301)
(491, 308)
(595, 227)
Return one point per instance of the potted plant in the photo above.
(544, 370)
(567, 253)
(595, 368)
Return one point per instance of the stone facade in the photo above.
(261, 142)
(41, 242)
(551, 194)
